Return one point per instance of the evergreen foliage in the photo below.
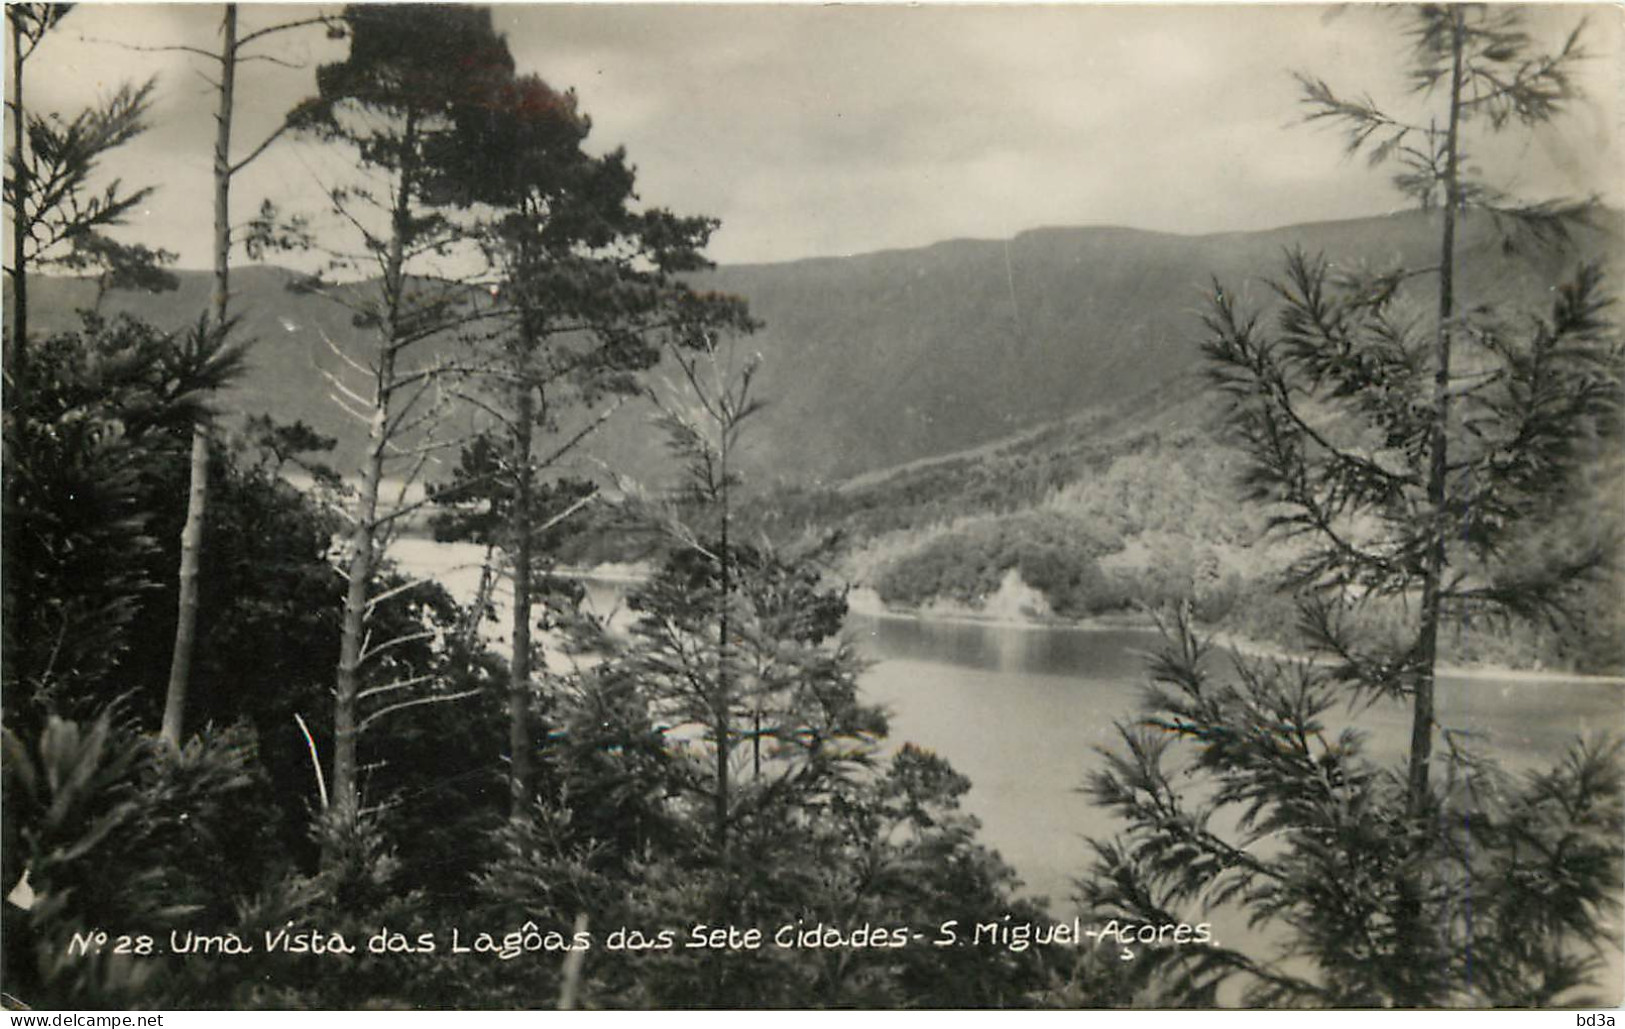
(584, 287)
(1293, 826)
(87, 444)
(1420, 455)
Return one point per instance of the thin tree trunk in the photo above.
(519, 742)
(724, 686)
(346, 794)
(19, 940)
(180, 666)
(1415, 983)
(346, 789)
(1428, 639)
(18, 580)
(570, 979)
(19, 210)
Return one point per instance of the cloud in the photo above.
(837, 129)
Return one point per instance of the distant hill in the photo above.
(1141, 503)
(882, 359)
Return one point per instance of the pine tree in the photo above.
(585, 284)
(1493, 75)
(233, 50)
(80, 434)
(411, 69)
(1415, 461)
(736, 641)
(57, 217)
(1240, 793)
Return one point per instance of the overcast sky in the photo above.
(823, 130)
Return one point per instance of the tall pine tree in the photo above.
(1415, 461)
(585, 285)
(393, 101)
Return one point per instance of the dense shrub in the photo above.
(1053, 552)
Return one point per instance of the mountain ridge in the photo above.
(880, 359)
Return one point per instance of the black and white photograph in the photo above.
(625, 506)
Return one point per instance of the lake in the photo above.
(1021, 711)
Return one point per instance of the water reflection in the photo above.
(1023, 711)
(1028, 650)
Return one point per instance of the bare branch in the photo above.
(567, 512)
(315, 759)
(575, 440)
(363, 418)
(398, 684)
(268, 59)
(476, 401)
(437, 699)
(339, 352)
(264, 144)
(339, 385)
(138, 48)
(411, 637)
(396, 591)
(321, 19)
(425, 448)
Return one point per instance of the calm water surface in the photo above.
(1021, 711)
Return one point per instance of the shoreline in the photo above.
(864, 601)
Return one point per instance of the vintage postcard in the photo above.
(878, 506)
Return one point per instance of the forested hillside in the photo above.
(1133, 507)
